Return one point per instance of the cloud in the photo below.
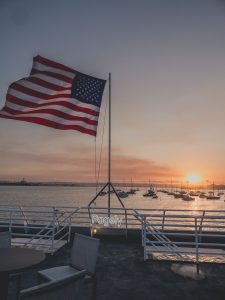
(139, 169)
(76, 163)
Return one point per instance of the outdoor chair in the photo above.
(83, 257)
(68, 288)
(5, 240)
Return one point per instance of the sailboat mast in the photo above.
(109, 153)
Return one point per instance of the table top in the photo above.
(19, 259)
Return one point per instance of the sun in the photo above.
(193, 178)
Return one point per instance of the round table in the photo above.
(14, 260)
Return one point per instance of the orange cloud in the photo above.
(76, 163)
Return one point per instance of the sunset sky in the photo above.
(167, 60)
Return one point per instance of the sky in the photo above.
(167, 60)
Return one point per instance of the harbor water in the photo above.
(81, 196)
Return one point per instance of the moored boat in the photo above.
(212, 196)
(188, 198)
(122, 194)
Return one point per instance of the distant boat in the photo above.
(212, 195)
(102, 193)
(146, 195)
(194, 194)
(188, 198)
(132, 191)
(178, 195)
(202, 195)
(151, 193)
(122, 194)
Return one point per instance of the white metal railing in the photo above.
(188, 235)
(171, 232)
(42, 229)
(35, 217)
(59, 228)
(42, 214)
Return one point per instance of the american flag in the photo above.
(56, 96)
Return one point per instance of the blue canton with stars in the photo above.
(88, 89)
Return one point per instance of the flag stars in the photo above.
(88, 89)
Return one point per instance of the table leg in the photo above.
(4, 280)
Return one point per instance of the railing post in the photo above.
(196, 245)
(69, 231)
(200, 226)
(142, 231)
(25, 222)
(163, 220)
(126, 222)
(10, 223)
(53, 232)
(145, 250)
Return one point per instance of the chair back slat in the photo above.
(85, 252)
(67, 288)
(5, 240)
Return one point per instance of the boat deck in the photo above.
(45, 246)
(207, 255)
(124, 275)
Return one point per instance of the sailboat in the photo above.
(187, 198)
(151, 192)
(132, 191)
(212, 195)
(122, 194)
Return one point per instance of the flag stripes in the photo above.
(63, 126)
(45, 98)
(65, 113)
(47, 84)
(72, 104)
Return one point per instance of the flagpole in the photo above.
(109, 184)
(109, 154)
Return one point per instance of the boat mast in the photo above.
(109, 145)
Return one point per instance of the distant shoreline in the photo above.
(100, 184)
(23, 183)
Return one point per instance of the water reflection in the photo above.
(81, 196)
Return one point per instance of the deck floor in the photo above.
(46, 245)
(123, 275)
(205, 254)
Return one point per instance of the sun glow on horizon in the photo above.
(193, 178)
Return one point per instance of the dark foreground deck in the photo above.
(122, 274)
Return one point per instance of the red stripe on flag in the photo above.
(47, 85)
(54, 112)
(45, 98)
(51, 124)
(72, 106)
(53, 64)
(52, 74)
(16, 86)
